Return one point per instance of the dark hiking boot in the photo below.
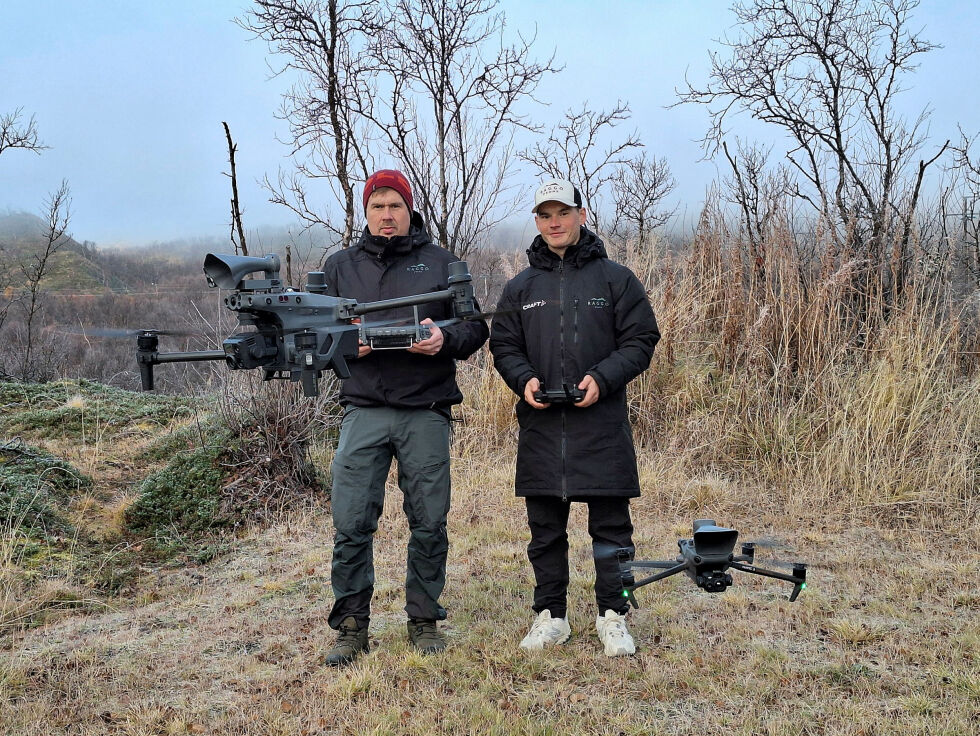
(351, 641)
(425, 636)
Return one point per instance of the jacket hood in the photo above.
(379, 246)
(586, 249)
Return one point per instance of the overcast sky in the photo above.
(130, 97)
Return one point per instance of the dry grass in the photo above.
(886, 636)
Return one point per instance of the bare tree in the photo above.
(573, 151)
(758, 192)
(23, 135)
(17, 134)
(323, 41)
(452, 89)
(966, 189)
(37, 267)
(638, 189)
(828, 73)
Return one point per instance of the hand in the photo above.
(432, 344)
(362, 348)
(591, 388)
(533, 385)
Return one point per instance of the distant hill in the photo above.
(20, 226)
(73, 267)
(82, 267)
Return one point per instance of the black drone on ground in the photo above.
(706, 559)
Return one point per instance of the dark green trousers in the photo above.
(369, 438)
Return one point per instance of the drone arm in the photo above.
(674, 569)
(798, 578)
(402, 301)
(189, 357)
(147, 357)
(658, 564)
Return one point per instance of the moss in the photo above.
(66, 408)
(34, 488)
(186, 494)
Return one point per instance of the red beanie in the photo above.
(388, 178)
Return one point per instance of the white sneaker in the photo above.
(546, 631)
(614, 636)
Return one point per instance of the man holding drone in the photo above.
(396, 404)
(572, 330)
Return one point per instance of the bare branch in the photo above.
(15, 134)
(573, 151)
(236, 212)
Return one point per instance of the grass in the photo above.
(236, 646)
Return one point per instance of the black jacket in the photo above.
(583, 314)
(377, 268)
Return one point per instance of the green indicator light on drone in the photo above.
(626, 594)
(802, 586)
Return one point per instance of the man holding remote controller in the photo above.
(575, 328)
(396, 405)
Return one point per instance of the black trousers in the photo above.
(610, 528)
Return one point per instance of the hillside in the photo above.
(83, 267)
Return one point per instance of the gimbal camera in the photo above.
(705, 559)
(297, 335)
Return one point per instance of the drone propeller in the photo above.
(784, 564)
(768, 543)
(126, 334)
(472, 317)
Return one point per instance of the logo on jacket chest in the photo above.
(532, 305)
(598, 302)
(417, 268)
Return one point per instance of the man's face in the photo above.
(559, 225)
(387, 213)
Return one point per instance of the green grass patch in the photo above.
(79, 407)
(186, 494)
(35, 486)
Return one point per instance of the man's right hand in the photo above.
(362, 348)
(533, 385)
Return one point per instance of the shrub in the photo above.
(34, 489)
(185, 494)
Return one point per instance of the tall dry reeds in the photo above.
(793, 384)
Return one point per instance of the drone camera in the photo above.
(249, 350)
(714, 581)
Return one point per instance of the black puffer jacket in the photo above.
(379, 268)
(583, 314)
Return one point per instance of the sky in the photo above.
(130, 96)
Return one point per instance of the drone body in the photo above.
(705, 559)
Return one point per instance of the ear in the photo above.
(581, 215)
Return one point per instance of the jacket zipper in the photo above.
(575, 319)
(561, 333)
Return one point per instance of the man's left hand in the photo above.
(432, 344)
(591, 389)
